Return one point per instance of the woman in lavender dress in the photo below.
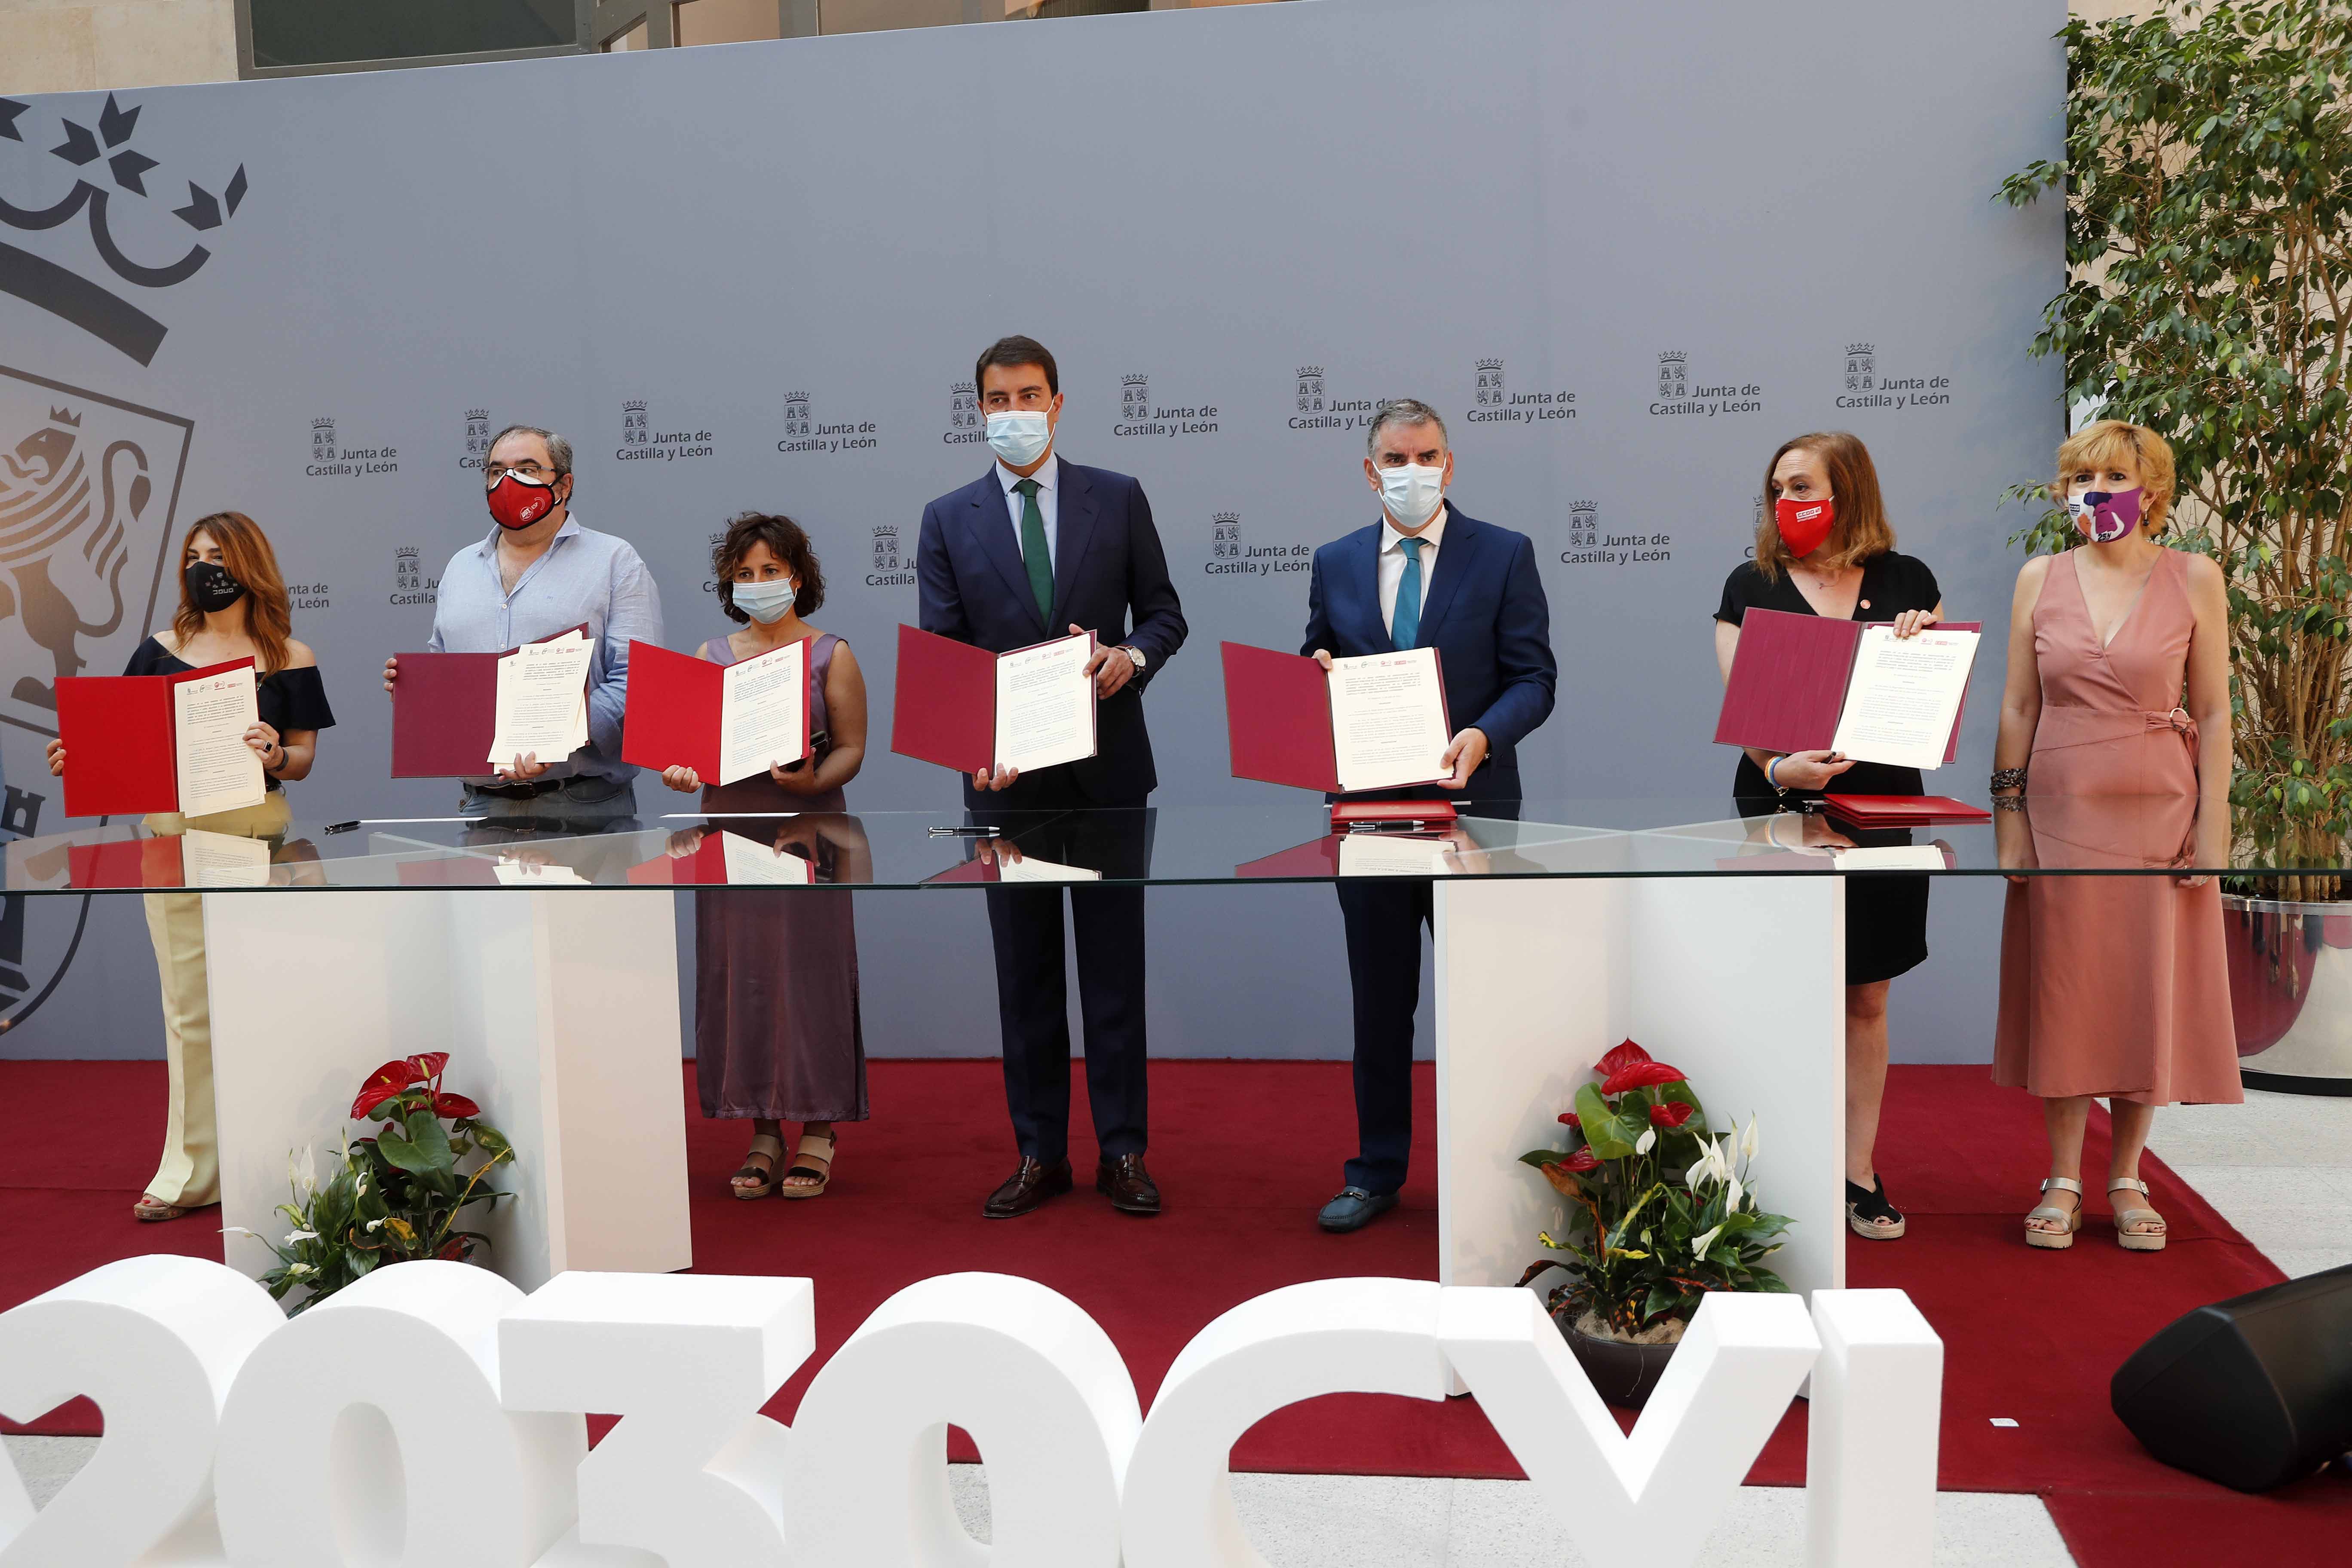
(777, 1037)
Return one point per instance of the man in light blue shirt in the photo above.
(537, 575)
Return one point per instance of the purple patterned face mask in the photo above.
(2105, 515)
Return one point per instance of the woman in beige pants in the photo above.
(233, 605)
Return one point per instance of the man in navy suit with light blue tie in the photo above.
(1425, 576)
(1039, 548)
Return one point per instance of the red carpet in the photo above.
(1246, 1152)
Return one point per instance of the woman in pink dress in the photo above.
(2113, 753)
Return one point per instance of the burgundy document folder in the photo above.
(120, 754)
(1903, 810)
(1279, 717)
(1788, 681)
(945, 707)
(444, 712)
(1313, 861)
(672, 715)
(124, 862)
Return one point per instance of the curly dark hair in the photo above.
(790, 543)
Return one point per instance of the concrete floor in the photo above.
(2278, 1167)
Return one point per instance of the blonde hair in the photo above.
(2098, 444)
(1861, 530)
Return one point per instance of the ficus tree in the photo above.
(2208, 183)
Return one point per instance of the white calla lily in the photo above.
(1699, 1248)
(1731, 1197)
(1647, 1142)
(294, 1236)
(1748, 1140)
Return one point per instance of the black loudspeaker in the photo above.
(2252, 1392)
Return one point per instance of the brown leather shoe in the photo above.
(1128, 1186)
(1026, 1188)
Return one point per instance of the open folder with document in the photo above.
(1374, 723)
(1808, 683)
(968, 708)
(161, 743)
(728, 722)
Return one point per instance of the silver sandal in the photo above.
(2130, 1240)
(2057, 1240)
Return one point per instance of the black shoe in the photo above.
(1354, 1209)
(1027, 1189)
(1128, 1186)
(1869, 1215)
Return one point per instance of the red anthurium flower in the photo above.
(1669, 1114)
(453, 1249)
(1567, 1119)
(1581, 1161)
(429, 1064)
(1621, 1057)
(1640, 1075)
(381, 1085)
(455, 1105)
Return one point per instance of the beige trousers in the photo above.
(189, 1175)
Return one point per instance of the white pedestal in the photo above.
(559, 1011)
(1740, 981)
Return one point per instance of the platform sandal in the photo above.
(1870, 1215)
(154, 1211)
(2058, 1240)
(812, 1169)
(2149, 1240)
(758, 1181)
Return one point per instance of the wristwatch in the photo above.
(1136, 654)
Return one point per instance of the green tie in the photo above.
(1034, 553)
(1404, 621)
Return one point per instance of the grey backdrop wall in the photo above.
(1627, 249)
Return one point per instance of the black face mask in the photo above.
(210, 587)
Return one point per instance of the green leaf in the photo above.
(1604, 1133)
(426, 1135)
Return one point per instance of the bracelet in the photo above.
(2008, 778)
(2009, 802)
(1768, 779)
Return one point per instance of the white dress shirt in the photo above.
(1393, 561)
(1048, 477)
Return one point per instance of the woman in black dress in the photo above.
(233, 605)
(1824, 547)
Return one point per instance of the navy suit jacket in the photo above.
(1107, 566)
(1484, 614)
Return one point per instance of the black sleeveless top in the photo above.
(287, 699)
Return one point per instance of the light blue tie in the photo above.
(1404, 622)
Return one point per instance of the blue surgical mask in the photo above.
(1020, 437)
(766, 603)
(1411, 493)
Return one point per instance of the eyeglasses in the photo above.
(527, 469)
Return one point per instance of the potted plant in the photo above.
(395, 1196)
(1661, 1210)
(2208, 183)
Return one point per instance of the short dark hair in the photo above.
(789, 542)
(1006, 352)
(559, 450)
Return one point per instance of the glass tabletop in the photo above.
(1285, 841)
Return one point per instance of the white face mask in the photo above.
(1019, 436)
(766, 603)
(1411, 493)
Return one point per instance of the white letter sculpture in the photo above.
(1331, 1336)
(693, 1472)
(369, 1430)
(1728, 1386)
(1870, 1449)
(1036, 1383)
(156, 1342)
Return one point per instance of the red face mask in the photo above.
(1804, 524)
(517, 502)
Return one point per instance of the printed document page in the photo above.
(760, 717)
(752, 864)
(1890, 858)
(223, 860)
(536, 874)
(1046, 704)
(1393, 854)
(542, 702)
(217, 771)
(1029, 868)
(1387, 719)
(1904, 697)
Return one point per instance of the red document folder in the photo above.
(121, 754)
(673, 712)
(1279, 717)
(1789, 682)
(124, 862)
(1903, 810)
(945, 710)
(707, 867)
(444, 712)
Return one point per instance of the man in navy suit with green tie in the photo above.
(1425, 576)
